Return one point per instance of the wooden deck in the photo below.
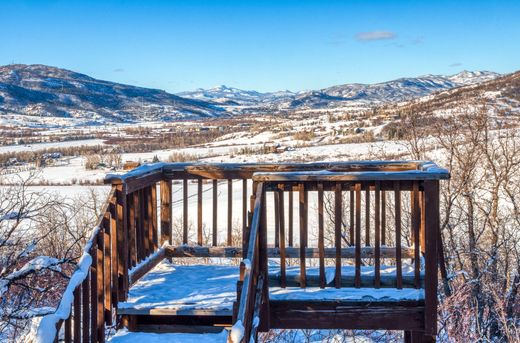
(349, 245)
(210, 290)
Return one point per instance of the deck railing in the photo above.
(152, 208)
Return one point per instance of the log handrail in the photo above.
(249, 277)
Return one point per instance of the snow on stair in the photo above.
(184, 289)
(124, 336)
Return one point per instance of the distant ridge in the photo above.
(390, 91)
(44, 91)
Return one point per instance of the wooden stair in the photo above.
(188, 299)
(125, 336)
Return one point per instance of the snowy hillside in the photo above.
(42, 92)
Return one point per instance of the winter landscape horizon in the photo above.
(259, 172)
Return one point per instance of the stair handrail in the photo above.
(247, 319)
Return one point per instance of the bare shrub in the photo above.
(304, 136)
(183, 157)
(92, 161)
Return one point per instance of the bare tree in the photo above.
(41, 236)
(480, 264)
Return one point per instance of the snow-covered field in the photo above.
(51, 145)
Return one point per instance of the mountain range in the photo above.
(391, 91)
(39, 93)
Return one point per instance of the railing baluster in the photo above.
(276, 219)
(122, 243)
(166, 212)
(351, 205)
(291, 216)
(199, 211)
(416, 222)
(107, 268)
(93, 294)
(367, 214)
(146, 220)
(114, 250)
(422, 233)
(306, 215)
(150, 226)
(230, 212)
(377, 238)
(185, 211)
(357, 278)
(281, 211)
(100, 288)
(68, 330)
(77, 315)
(155, 234)
(244, 204)
(215, 213)
(85, 309)
(398, 259)
(141, 243)
(131, 230)
(303, 234)
(321, 239)
(338, 209)
(383, 217)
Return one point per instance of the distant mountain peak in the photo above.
(404, 88)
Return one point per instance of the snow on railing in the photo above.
(427, 168)
(237, 332)
(47, 330)
(137, 172)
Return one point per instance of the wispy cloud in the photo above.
(417, 40)
(118, 70)
(456, 64)
(375, 36)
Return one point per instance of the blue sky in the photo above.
(262, 45)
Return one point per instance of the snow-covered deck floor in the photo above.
(211, 289)
(184, 290)
(124, 336)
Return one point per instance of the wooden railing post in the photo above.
(338, 212)
(263, 264)
(431, 211)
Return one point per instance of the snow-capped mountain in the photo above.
(41, 91)
(501, 95)
(390, 91)
(233, 96)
